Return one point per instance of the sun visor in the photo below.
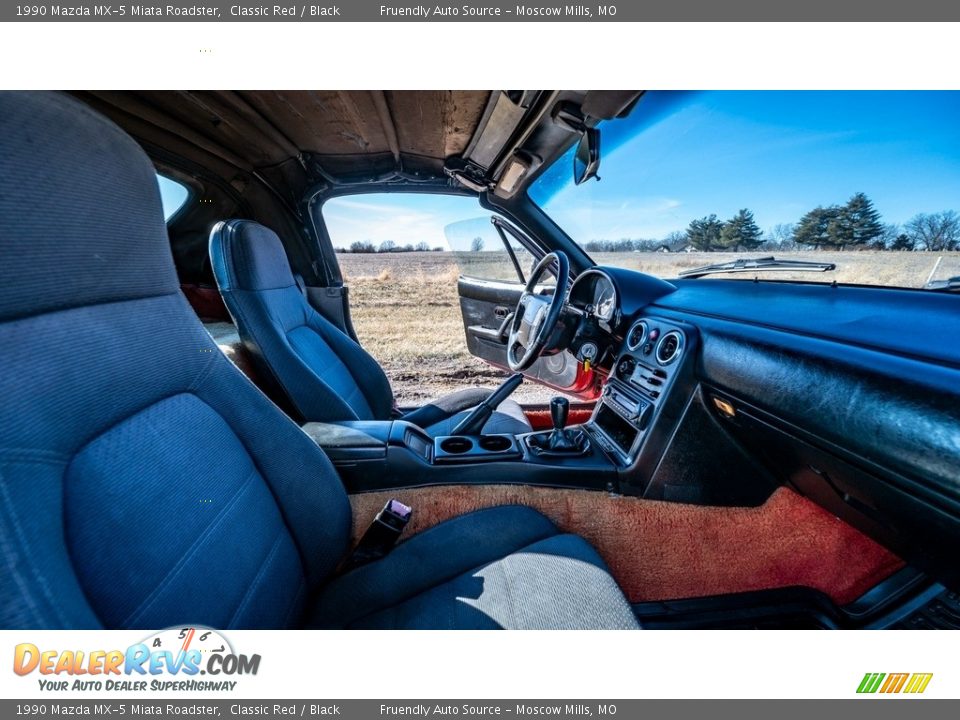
(608, 104)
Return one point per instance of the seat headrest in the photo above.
(248, 256)
(81, 221)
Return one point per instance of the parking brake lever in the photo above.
(473, 423)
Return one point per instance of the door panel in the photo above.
(487, 307)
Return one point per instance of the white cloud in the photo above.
(402, 218)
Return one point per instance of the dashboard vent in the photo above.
(637, 335)
(669, 347)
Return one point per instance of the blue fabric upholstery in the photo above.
(135, 460)
(326, 375)
(59, 249)
(144, 481)
(441, 416)
(505, 567)
(508, 419)
(238, 511)
(442, 408)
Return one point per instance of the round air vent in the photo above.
(637, 335)
(669, 347)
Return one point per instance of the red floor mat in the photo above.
(665, 551)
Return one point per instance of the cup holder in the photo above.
(495, 443)
(456, 445)
(475, 448)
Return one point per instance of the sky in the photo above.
(447, 221)
(778, 154)
(681, 156)
(172, 195)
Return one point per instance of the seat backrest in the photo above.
(144, 481)
(323, 371)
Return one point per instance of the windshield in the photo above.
(868, 181)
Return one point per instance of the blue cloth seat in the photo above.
(504, 567)
(145, 482)
(326, 374)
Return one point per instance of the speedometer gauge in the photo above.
(604, 300)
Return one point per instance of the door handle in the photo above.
(500, 312)
(504, 329)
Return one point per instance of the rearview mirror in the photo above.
(586, 160)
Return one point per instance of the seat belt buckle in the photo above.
(395, 516)
(381, 536)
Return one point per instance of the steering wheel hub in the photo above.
(537, 315)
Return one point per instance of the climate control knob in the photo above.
(625, 367)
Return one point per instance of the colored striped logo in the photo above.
(913, 683)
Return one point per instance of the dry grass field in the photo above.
(406, 310)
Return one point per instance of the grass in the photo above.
(867, 267)
(406, 310)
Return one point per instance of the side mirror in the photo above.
(586, 161)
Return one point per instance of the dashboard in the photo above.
(639, 355)
(720, 390)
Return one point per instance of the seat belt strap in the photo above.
(381, 536)
(298, 279)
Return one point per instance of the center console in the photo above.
(639, 386)
(623, 440)
(379, 455)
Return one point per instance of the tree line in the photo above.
(387, 246)
(854, 225)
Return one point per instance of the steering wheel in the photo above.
(536, 315)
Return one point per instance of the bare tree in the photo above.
(888, 237)
(362, 246)
(781, 236)
(675, 240)
(935, 231)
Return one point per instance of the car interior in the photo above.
(187, 403)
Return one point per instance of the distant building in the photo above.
(685, 248)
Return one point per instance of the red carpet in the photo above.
(539, 417)
(664, 551)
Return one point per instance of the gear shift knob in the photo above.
(559, 408)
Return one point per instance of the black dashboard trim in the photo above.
(911, 323)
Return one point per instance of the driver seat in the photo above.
(326, 374)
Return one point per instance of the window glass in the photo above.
(401, 255)
(173, 196)
(398, 229)
(868, 181)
